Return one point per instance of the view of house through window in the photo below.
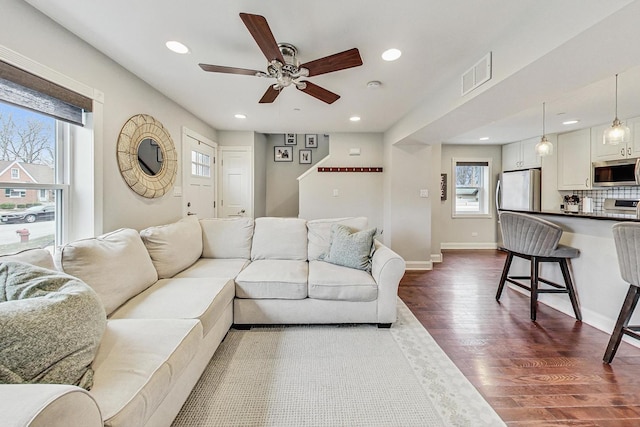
(28, 191)
(472, 179)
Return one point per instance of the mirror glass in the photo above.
(150, 156)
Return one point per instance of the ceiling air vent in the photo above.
(477, 75)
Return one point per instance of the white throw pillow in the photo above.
(39, 257)
(228, 238)
(320, 233)
(116, 265)
(279, 238)
(173, 247)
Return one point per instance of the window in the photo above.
(33, 145)
(472, 178)
(200, 164)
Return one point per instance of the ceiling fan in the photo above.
(285, 67)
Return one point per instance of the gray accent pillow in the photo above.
(351, 249)
(50, 326)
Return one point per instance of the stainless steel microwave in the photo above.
(614, 173)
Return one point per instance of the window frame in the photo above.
(486, 189)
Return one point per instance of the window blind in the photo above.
(27, 90)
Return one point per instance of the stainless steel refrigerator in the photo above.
(519, 190)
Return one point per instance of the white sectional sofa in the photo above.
(172, 292)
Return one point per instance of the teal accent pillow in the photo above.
(351, 249)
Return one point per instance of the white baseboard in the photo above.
(436, 257)
(419, 265)
(468, 245)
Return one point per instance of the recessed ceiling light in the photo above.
(177, 47)
(570, 122)
(484, 138)
(354, 118)
(240, 116)
(374, 84)
(391, 54)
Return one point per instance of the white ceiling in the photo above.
(440, 39)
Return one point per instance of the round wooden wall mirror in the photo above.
(147, 157)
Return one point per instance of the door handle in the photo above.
(241, 212)
(192, 213)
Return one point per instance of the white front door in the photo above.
(199, 178)
(236, 198)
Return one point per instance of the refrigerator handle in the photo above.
(498, 197)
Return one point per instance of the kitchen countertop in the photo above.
(595, 215)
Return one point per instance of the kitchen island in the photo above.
(596, 274)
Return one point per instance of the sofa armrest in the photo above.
(387, 268)
(51, 405)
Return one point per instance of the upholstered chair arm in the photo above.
(50, 405)
(387, 268)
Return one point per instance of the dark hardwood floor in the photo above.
(547, 373)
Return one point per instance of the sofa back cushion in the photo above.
(279, 238)
(320, 233)
(228, 238)
(173, 247)
(116, 265)
(38, 257)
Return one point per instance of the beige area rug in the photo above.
(355, 375)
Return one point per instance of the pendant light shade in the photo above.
(618, 133)
(544, 147)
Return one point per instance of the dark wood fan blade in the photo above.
(339, 61)
(259, 29)
(321, 93)
(270, 95)
(229, 70)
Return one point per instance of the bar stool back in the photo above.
(626, 236)
(537, 240)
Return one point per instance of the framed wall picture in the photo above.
(311, 141)
(282, 154)
(305, 157)
(290, 139)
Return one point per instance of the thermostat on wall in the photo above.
(354, 151)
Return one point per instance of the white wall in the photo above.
(457, 233)
(260, 153)
(359, 193)
(31, 34)
(282, 177)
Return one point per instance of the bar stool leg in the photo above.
(564, 266)
(534, 287)
(626, 311)
(505, 273)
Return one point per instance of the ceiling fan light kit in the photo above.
(284, 67)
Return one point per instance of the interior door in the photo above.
(199, 178)
(236, 196)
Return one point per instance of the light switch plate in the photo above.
(424, 193)
(177, 191)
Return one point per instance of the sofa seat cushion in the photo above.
(173, 247)
(334, 282)
(137, 364)
(279, 238)
(227, 237)
(279, 279)
(207, 267)
(116, 265)
(181, 298)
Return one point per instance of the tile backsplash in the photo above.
(599, 195)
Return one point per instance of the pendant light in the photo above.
(618, 133)
(544, 147)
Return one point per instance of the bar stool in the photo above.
(529, 237)
(626, 236)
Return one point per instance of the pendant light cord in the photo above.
(543, 130)
(616, 96)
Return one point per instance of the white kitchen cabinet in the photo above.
(600, 151)
(574, 160)
(520, 155)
